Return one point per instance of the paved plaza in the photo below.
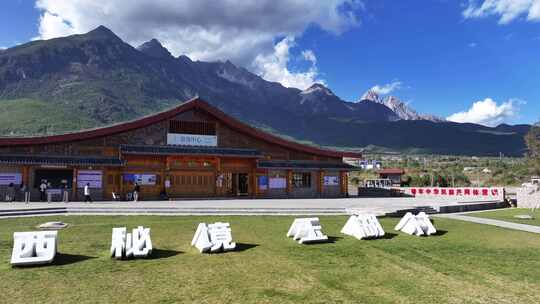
(378, 206)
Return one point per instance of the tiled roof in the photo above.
(312, 165)
(59, 160)
(391, 171)
(188, 150)
(195, 103)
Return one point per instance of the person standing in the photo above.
(11, 193)
(136, 191)
(25, 192)
(87, 197)
(42, 189)
(65, 193)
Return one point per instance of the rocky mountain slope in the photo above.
(95, 79)
(401, 109)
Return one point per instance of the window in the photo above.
(301, 180)
(192, 127)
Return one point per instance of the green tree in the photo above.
(532, 139)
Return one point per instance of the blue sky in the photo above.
(441, 56)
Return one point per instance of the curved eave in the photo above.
(195, 103)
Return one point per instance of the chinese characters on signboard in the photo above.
(191, 140)
(331, 180)
(141, 179)
(277, 183)
(92, 177)
(10, 178)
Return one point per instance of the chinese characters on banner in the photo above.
(436, 191)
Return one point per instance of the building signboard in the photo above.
(263, 182)
(92, 177)
(331, 180)
(278, 183)
(191, 140)
(141, 179)
(10, 178)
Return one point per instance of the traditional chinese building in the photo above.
(193, 150)
(394, 175)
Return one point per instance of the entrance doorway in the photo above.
(54, 178)
(243, 183)
(237, 184)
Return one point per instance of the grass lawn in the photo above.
(508, 215)
(465, 263)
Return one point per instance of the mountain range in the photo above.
(95, 79)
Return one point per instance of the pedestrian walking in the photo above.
(42, 190)
(87, 197)
(136, 191)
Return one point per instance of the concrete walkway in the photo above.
(498, 223)
(377, 206)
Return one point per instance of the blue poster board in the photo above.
(263, 182)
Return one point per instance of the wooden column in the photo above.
(217, 172)
(289, 181)
(344, 183)
(121, 180)
(320, 183)
(255, 181)
(74, 185)
(26, 177)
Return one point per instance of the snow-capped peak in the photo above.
(401, 109)
(371, 96)
(317, 88)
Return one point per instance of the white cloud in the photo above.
(488, 112)
(387, 88)
(309, 56)
(208, 30)
(473, 44)
(274, 67)
(507, 10)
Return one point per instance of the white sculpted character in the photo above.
(416, 225)
(307, 230)
(363, 226)
(214, 237)
(201, 239)
(221, 237)
(137, 244)
(33, 248)
(118, 244)
(142, 244)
